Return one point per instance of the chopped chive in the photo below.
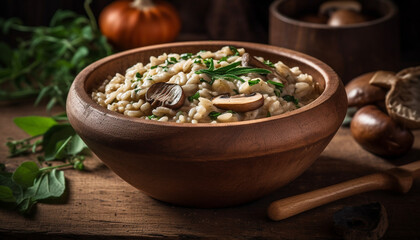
(195, 96)
(198, 61)
(153, 117)
(153, 67)
(213, 115)
(138, 75)
(269, 63)
(290, 98)
(234, 50)
(253, 82)
(276, 84)
(186, 56)
(223, 59)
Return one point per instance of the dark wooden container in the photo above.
(350, 50)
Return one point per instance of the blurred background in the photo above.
(241, 20)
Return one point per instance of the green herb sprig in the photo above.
(51, 138)
(46, 62)
(229, 72)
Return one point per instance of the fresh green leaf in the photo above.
(253, 82)
(61, 147)
(25, 174)
(53, 136)
(6, 194)
(34, 125)
(76, 145)
(49, 184)
(195, 96)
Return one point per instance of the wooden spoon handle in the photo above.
(284, 208)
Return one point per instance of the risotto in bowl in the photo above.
(207, 124)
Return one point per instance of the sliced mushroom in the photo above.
(331, 6)
(345, 17)
(248, 60)
(239, 103)
(165, 94)
(403, 98)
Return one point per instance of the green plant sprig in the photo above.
(53, 139)
(231, 71)
(45, 64)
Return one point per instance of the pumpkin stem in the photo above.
(142, 4)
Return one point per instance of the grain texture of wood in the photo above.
(100, 205)
(399, 179)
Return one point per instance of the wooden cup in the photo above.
(350, 50)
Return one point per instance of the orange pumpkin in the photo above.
(129, 24)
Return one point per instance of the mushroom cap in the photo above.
(361, 93)
(343, 17)
(239, 103)
(403, 99)
(330, 6)
(378, 133)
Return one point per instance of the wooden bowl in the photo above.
(207, 165)
(350, 50)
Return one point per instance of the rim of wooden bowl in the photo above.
(332, 81)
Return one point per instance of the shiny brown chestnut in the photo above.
(376, 132)
(361, 93)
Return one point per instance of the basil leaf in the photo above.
(60, 148)
(6, 194)
(53, 136)
(34, 125)
(49, 184)
(25, 174)
(253, 82)
(76, 145)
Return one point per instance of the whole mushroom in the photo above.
(375, 131)
(360, 92)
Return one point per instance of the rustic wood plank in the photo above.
(101, 205)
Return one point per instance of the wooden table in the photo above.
(100, 205)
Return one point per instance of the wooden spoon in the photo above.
(398, 179)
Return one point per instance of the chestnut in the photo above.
(361, 93)
(376, 132)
